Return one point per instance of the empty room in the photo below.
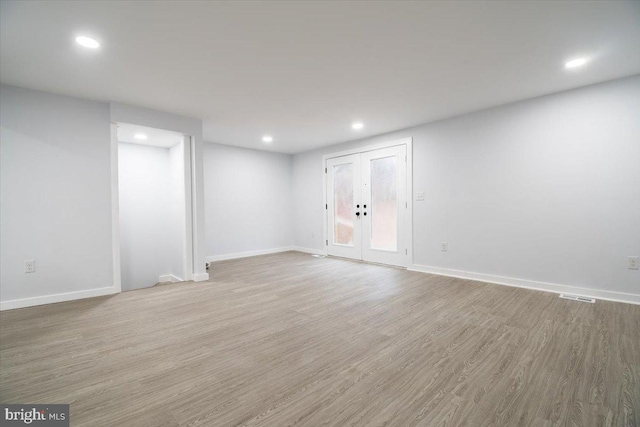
(341, 213)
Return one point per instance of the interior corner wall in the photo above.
(543, 191)
(248, 200)
(56, 197)
(151, 227)
(124, 113)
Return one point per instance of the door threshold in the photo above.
(361, 261)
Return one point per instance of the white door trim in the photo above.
(404, 141)
(187, 250)
(115, 211)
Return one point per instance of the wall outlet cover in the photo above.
(420, 196)
(30, 266)
(634, 263)
(444, 246)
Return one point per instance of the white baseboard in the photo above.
(248, 254)
(529, 284)
(308, 250)
(265, 252)
(169, 278)
(200, 277)
(50, 299)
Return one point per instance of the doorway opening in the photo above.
(154, 206)
(368, 204)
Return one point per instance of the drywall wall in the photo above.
(56, 197)
(546, 190)
(248, 199)
(151, 227)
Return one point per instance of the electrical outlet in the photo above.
(30, 266)
(420, 196)
(444, 246)
(634, 263)
(313, 235)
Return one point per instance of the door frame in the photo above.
(409, 227)
(188, 266)
(188, 235)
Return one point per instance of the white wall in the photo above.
(151, 227)
(56, 189)
(248, 199)
(56, 197)
(545, 190)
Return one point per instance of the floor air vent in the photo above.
(578, 298)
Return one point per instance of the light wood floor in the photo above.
(291, 339)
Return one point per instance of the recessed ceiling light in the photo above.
(87, 42)
(357, 125)
(578, 62)
(141, 136)
(267, 139)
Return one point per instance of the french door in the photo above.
(367, 209)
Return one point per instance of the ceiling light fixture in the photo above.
(268, 139)
(357, 125)
(575, 63)
(140, 136)
(87, 42)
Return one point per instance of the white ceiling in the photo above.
(303, 71)
(155, 137)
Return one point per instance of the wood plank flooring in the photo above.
(290, 339)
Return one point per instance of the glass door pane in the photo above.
(343, 204)
(344, 229)
(384, 204)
